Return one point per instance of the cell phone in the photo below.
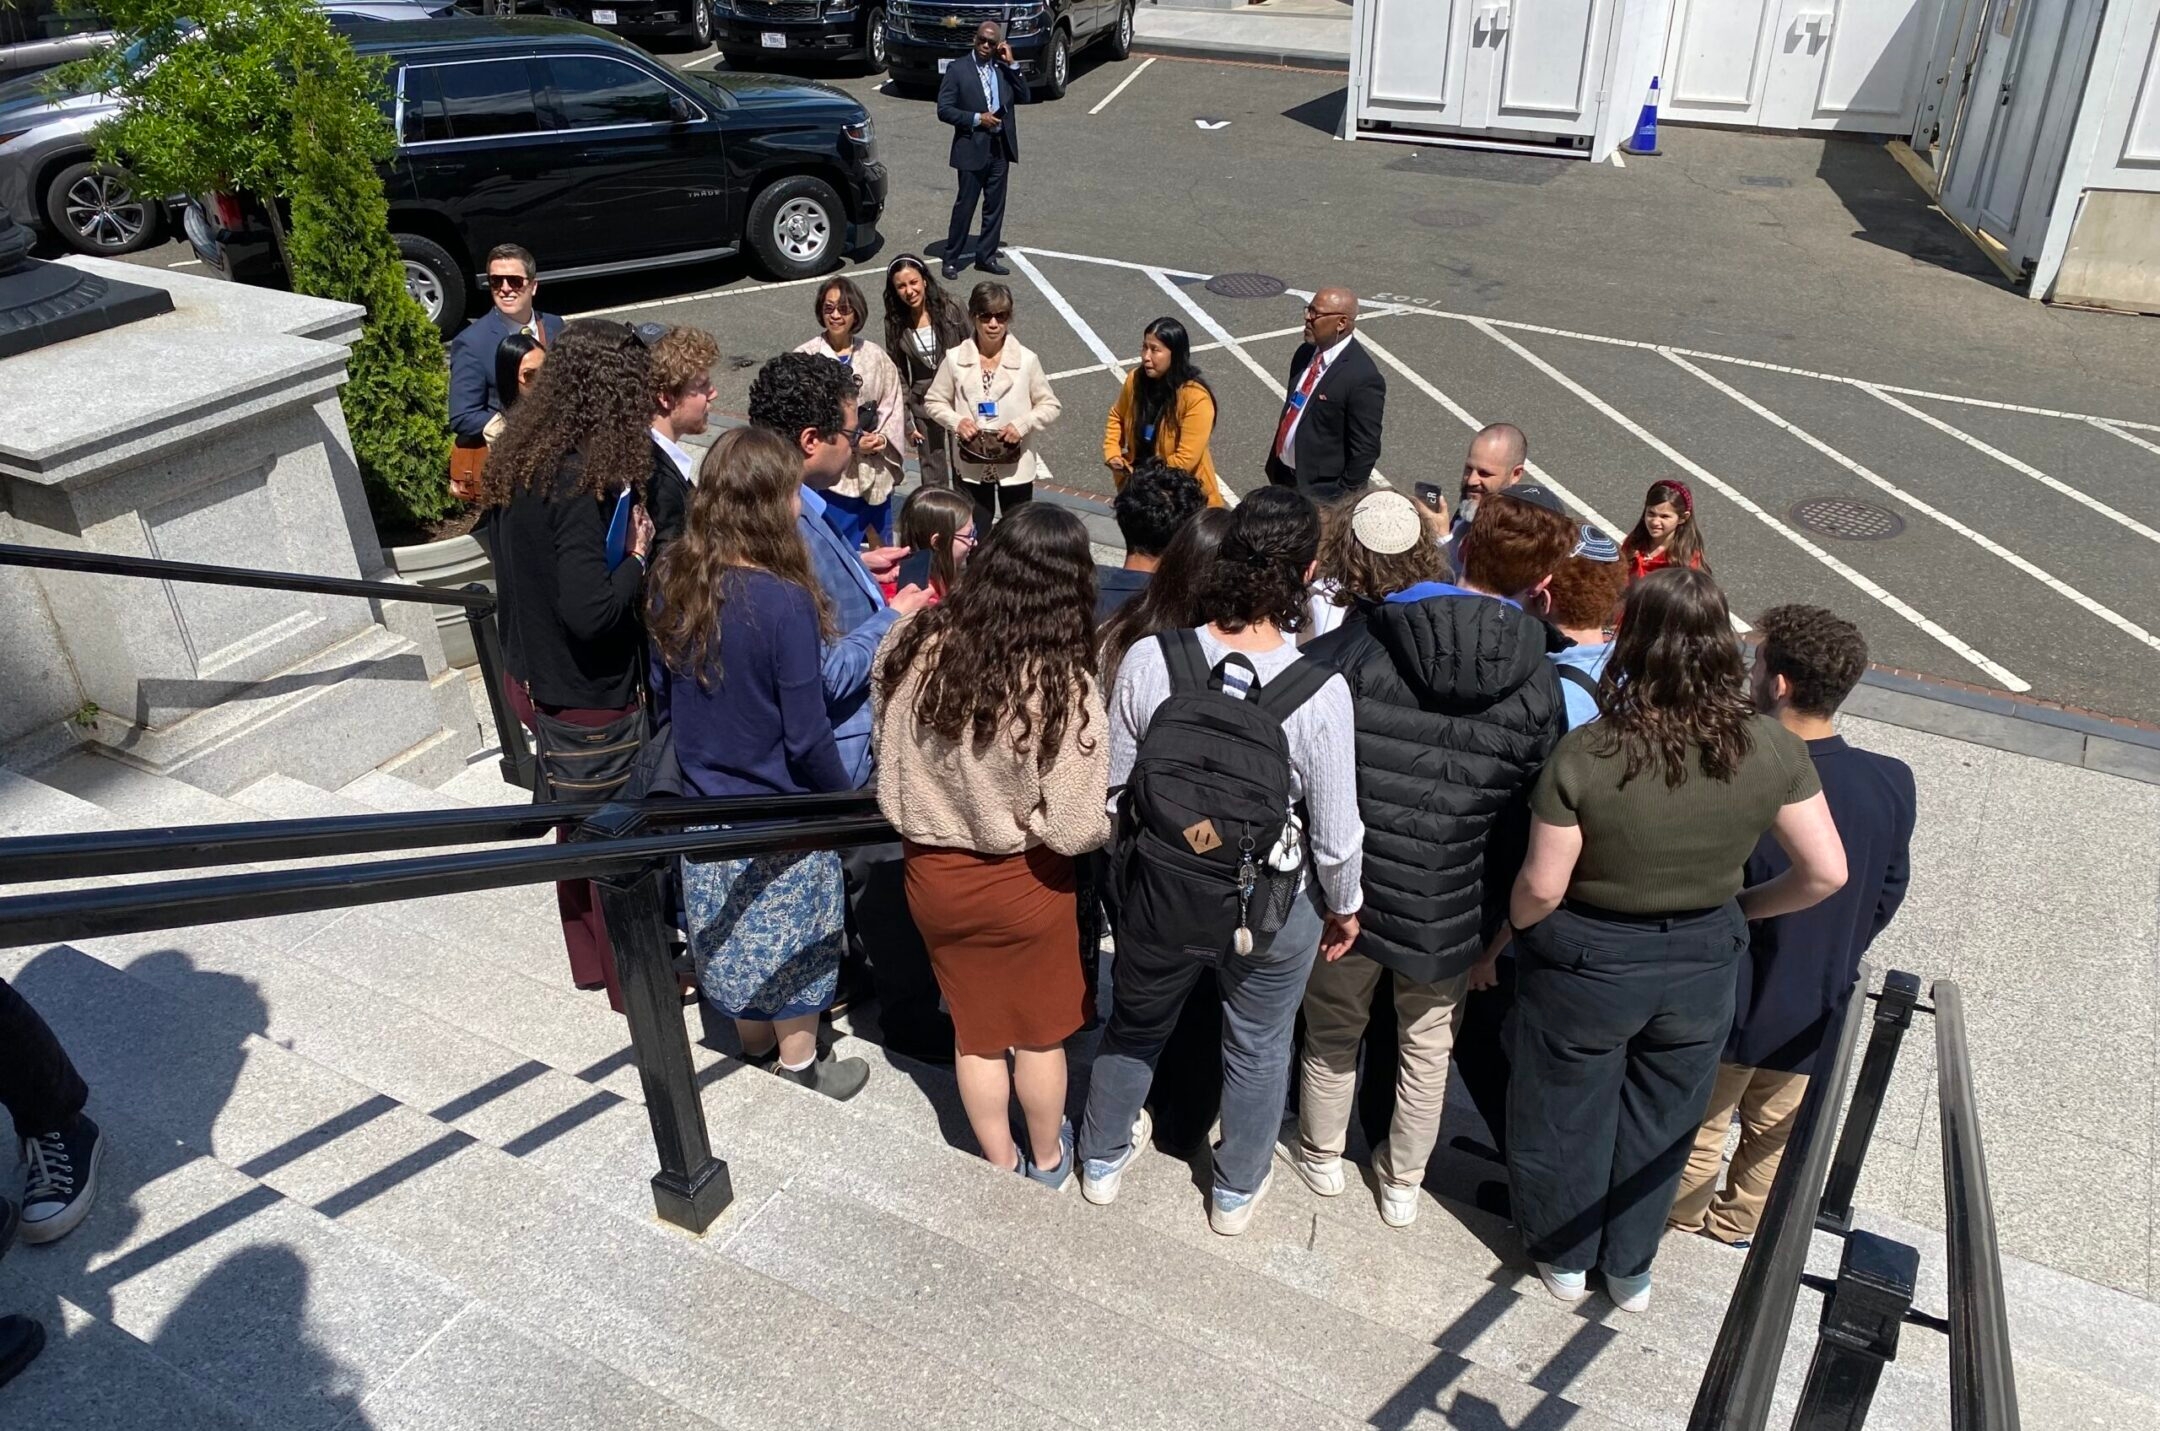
(914, 569)
(1429, 493)
(866, 416)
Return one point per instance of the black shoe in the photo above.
(837, 1078)
(63, 1180)
(950, 269)
(991, 265)
(21, 1339)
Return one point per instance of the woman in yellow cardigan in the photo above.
(1166, 408)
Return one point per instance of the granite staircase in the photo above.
(383, 1168)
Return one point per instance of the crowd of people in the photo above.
(1367, 789)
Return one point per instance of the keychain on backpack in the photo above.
(1248, 877)
(1285, 862)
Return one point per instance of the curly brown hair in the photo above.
(1586, 594)
(1821, 655)
(1011, 650)
(1676, 682)
(593, 400)
(1512, 545)
(741, 515)
(680, 358)
(1362, 574)
(1259, 574)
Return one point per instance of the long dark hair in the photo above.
(1260, 574)
(741, 515)
(1676, 680)
(1685, 546)
(1016, 631)
(1171, 598)
(509, 357)
(594, 401)
(1156, 398)
(930, 520)
(946, 319)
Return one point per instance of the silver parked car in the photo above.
(50, 180)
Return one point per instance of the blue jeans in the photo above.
(853, 517)
(1260, 995)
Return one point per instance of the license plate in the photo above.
(772, 39)
(603, 17)
(944, 65)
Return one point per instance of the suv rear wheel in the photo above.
(796, 227)
(1057, 69)
(873, 43)
(1121, 32)
(434, 280)
(701, 23)
(94, 209)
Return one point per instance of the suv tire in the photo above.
(797, 226)
(93, 209)
(1120, 45)
(701, 25)
(1057, 70)
(433, 277)
(873, 40)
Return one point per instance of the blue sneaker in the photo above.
(1099, 1177)
(1055, 1178)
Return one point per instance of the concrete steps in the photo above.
(432, 1155)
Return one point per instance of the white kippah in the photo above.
(1387, 523)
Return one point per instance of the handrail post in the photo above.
(1983, 1380)
(517, 760)
(692, 1187)
(1893, 1015)
(1860, 1322)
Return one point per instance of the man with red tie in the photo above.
(1328, 436)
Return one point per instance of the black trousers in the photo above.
(886, 955)
(38, 1084)
(1481, 1050)
(988, 186)
(992, 500)
(1618, 1028)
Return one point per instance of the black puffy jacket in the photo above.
(1457, 707)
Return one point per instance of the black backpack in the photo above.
(1206, 802)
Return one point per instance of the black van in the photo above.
(596, 157)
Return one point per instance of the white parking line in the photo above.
(2105, 426)
(703, 60)
(721, 293)
(1104, 103)
(2047, 579)
(1072, 317)
(2002, 675)
(1197, 348)
(2016, 465)
(186, 263)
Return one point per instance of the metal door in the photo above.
(1414, 56)
(1545, 65)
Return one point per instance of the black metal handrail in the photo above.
(1983, 1385)
(1741, 1380)
(29, 858)
(475, 600)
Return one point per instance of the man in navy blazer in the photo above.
(1327, 438)
(976, 98)
(513, 279)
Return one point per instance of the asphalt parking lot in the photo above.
(1777, 320)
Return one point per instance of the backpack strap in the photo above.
(1299, 682)
(1577, 676)
(1184, 659)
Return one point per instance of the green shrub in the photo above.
(262, 97)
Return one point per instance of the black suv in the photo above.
(748, 32)
(922, 37)
(593, 155)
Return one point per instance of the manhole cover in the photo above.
(1245, 285)
(1447, 219)
(1847, 519)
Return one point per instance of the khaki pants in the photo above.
(1337, 1002)
(1769, 1105)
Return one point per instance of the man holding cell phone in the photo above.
(976, 97)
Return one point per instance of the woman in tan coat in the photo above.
(1166, 409)
(991, 396)
(860, 502)
(993, 760)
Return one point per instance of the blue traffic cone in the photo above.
(1644, 140)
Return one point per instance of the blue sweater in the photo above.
(759, 726)
(1800, 967)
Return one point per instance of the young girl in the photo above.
(1665, 534)
(938, 527)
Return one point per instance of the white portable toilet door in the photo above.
(1799, 64)
(1545, 66)
(2028, 53)
(1415, 54)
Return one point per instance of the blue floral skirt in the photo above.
(767, 932)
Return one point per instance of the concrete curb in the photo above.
(2004, 722)
(1177, 48)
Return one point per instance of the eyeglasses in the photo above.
(837, 310)
(966, 538)
(510, 281)
(854, 435)
(1312, 312)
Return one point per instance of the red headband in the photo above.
(1687, 498)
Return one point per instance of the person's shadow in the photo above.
(166, 1254)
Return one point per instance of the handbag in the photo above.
(466, 464)
(577, 762)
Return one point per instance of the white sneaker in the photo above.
(1229, 1212)
(1398, 1206)
(1568, 1287)
(1324, 1177)
(1099, 1177)
(1629, 1294)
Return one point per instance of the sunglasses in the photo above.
(837, 310)
(1005, 317)
(511, 281)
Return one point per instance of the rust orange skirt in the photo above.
(1004, 942)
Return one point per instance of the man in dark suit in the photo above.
(682, 363)
(513, 279)
(976, 98)
(1328, 436)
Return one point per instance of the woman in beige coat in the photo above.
(993, 756)
(990, 395)
(861, 501)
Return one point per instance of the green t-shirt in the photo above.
(1650, 848)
